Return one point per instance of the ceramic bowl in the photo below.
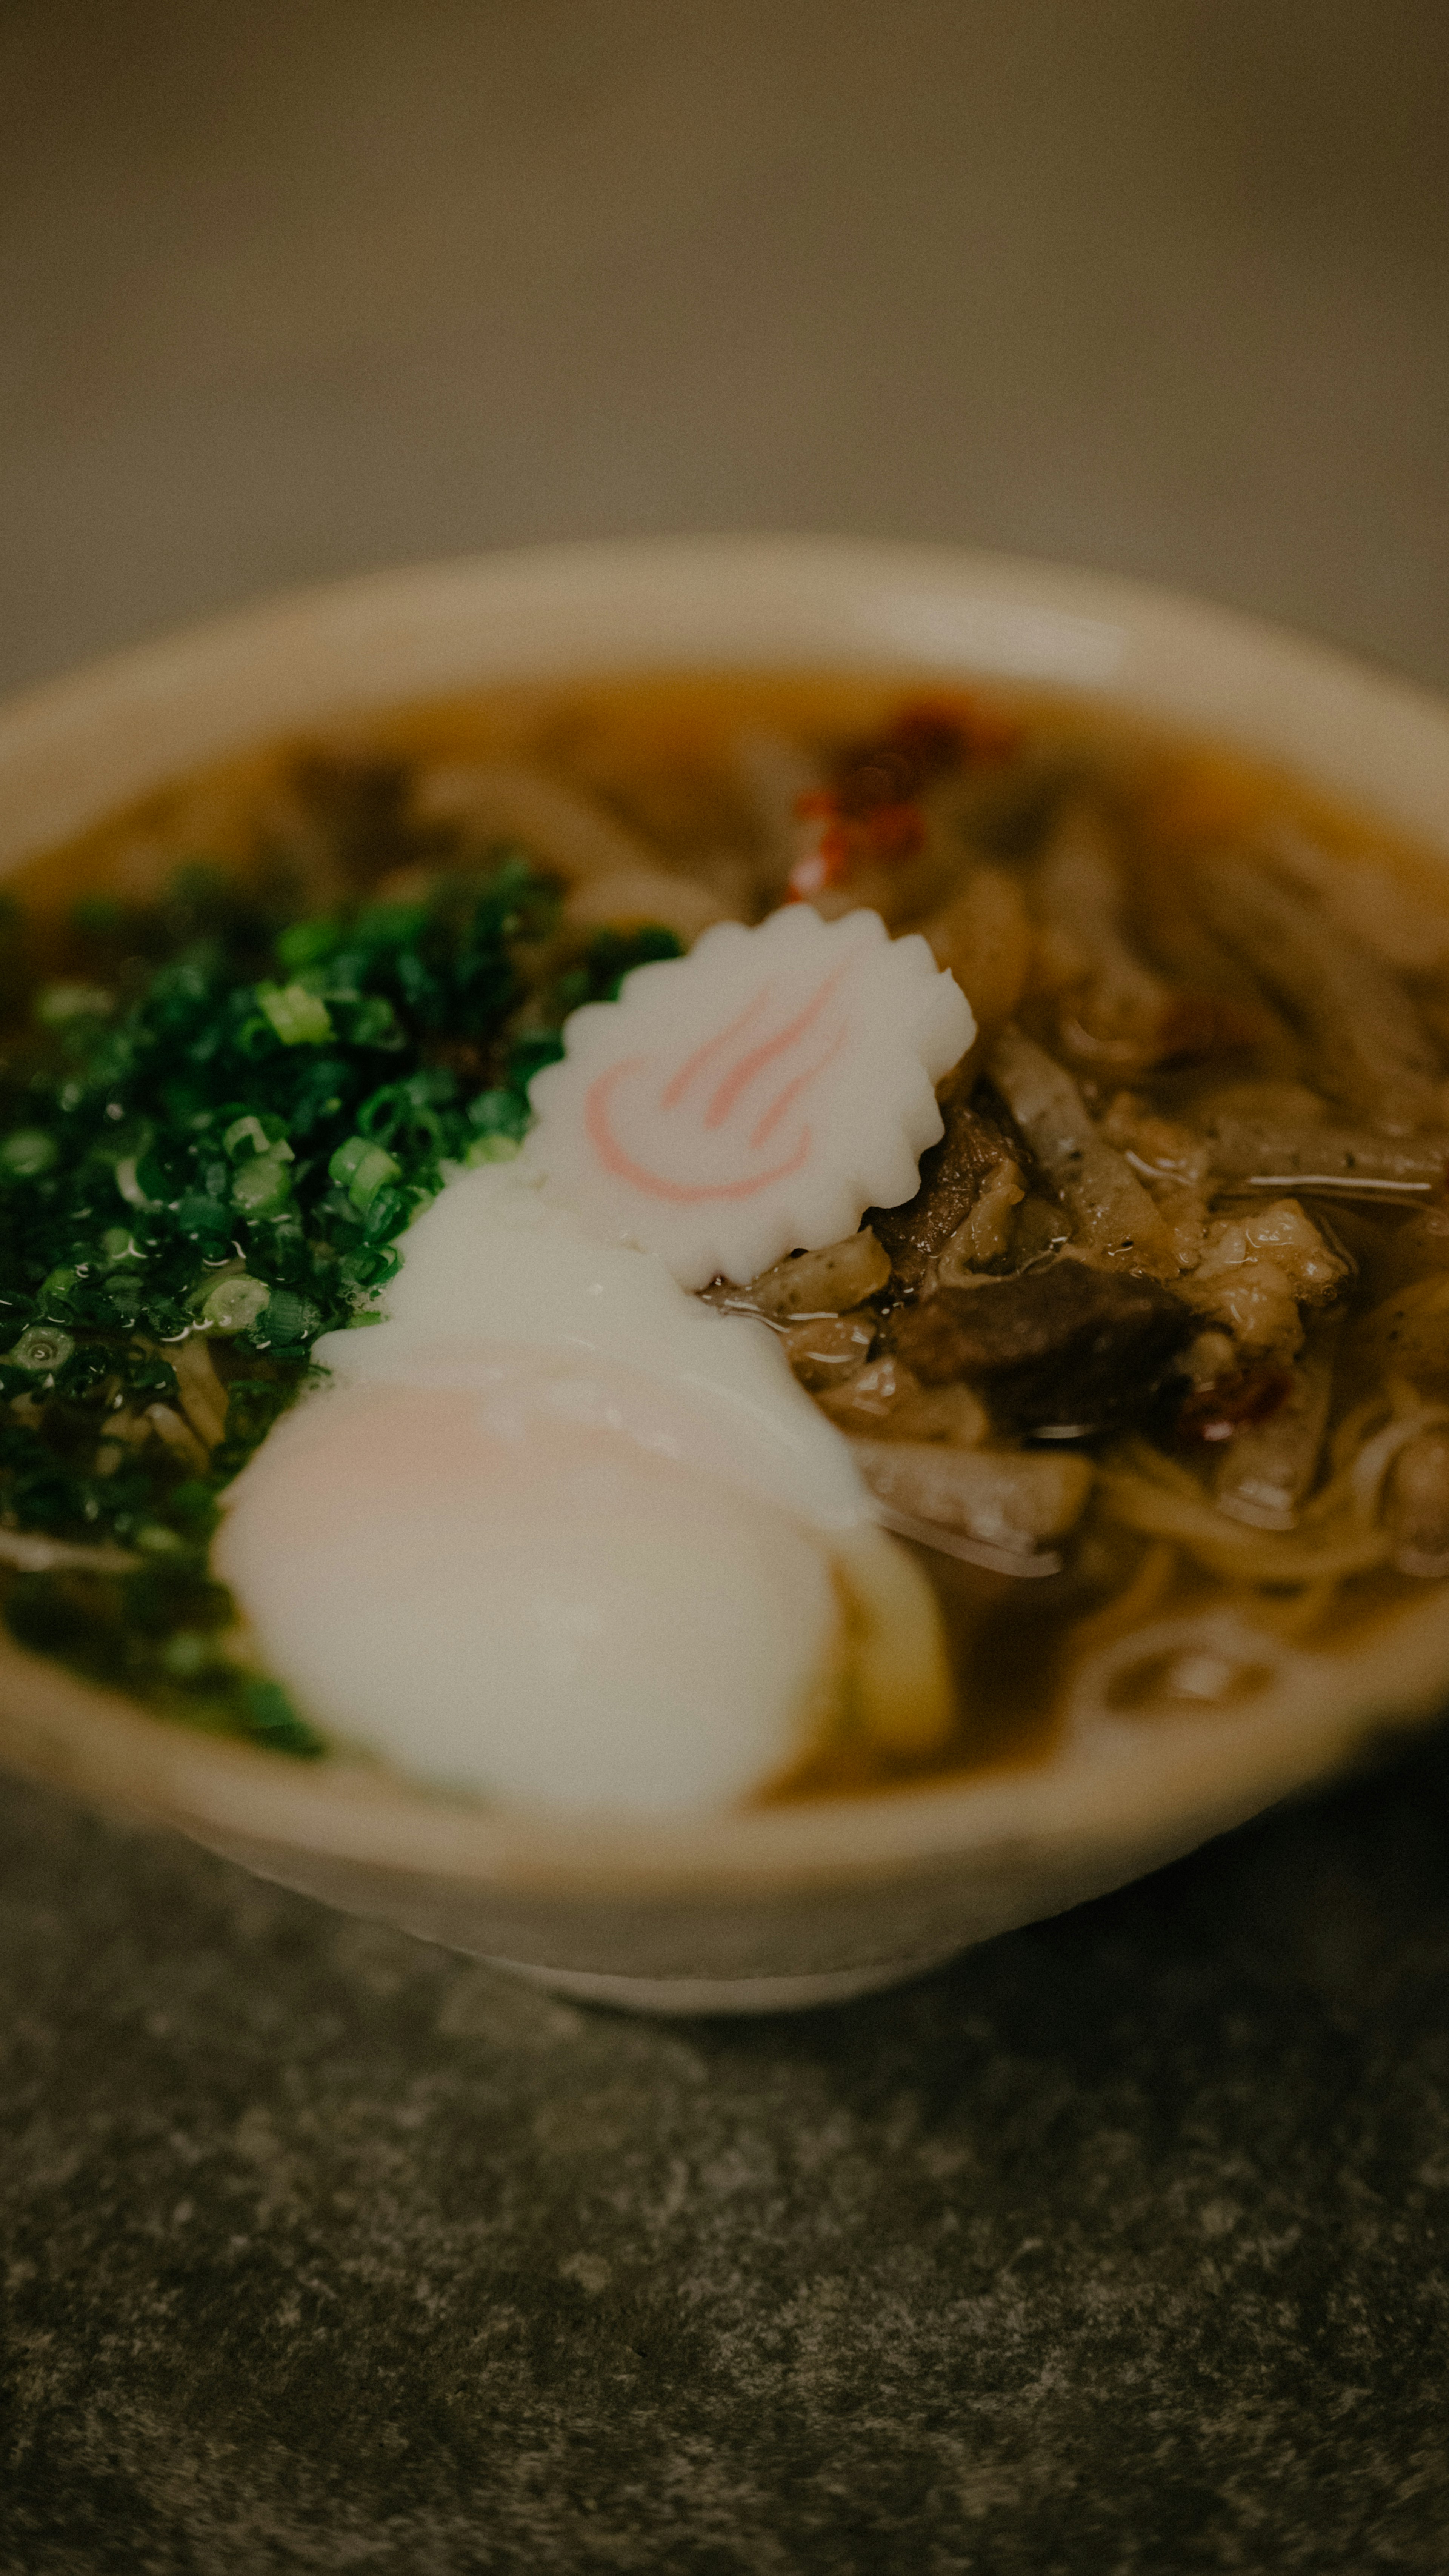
(814, 1902)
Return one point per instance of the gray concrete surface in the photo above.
(1119, 2248)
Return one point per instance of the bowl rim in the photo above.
(173, 703)
(91, 742)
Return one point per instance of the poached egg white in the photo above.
(558, 1533)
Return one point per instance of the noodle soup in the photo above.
(1148, 1377)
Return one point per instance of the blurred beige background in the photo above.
(293, 287)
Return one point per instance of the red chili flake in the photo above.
(926, 739)
(894, 831)
(1234, 1404)
(847, 841)
(869, 815)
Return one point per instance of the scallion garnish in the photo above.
(203, 1167)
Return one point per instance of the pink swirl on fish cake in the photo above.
(727, 1104)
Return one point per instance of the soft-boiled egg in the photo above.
(556, 1532)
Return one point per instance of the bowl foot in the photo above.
(686, 1995)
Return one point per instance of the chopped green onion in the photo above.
(188, 1654)
(57, 1003)
(491, 1149)
(531, 1052)
(41, 1349)
(498, 1113)
(274, 1720)
(264, 1182)
(233, 1305)
(362, 1169)
(56, 1285)
(198, 1215)
(385, 1215)
(249, 1131)
(266, 1178)
(300, 1018)
(346, 1159)
(28, 1153)
(375, 1023)
(290, 1318)
(306, 943)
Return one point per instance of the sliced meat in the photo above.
(1111, 1212)
(1066, 1347)
(1256, 1274)
(953, 1176)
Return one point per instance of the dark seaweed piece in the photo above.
(953, 1175)
(1068, 1348)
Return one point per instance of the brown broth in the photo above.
(658, 753)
